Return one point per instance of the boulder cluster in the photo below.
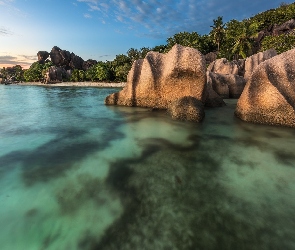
(179, 82)
(63, 63)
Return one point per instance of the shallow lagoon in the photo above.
(76, 174)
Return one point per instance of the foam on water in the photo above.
(76, 174)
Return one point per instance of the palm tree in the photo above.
(217, 31)
(244, 38)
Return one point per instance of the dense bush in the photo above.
(280, 43)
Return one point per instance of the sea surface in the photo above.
(76, 174)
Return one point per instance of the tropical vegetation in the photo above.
(232, 40)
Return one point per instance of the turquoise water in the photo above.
(76, 174)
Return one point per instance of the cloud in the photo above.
(24, 60)
(86, 15)
(5, 32)
(168, 17)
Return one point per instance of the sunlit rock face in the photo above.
(227, 85)
(269, 95)
(187, 108)
(253, 61)
(223, 66)
(159, 79)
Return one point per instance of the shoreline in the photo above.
(76, 84)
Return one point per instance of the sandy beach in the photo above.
(78, 84)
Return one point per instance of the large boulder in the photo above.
(226, 85)
(159, 79)
(55, 74)
(253, 61)
(210, 57)
(187, 108)
(269, 95)
(212, 98)
(223, 66)
(60, 57)
(42, 56)
(76, 62)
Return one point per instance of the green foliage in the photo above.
(34, 73)
(279, 15)
(280, 43)
(202, 43)
(217, 32)
(78, 75)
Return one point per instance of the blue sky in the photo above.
(100, 29)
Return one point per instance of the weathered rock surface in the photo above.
(212, 98)
(269, 95)
(210, 57)
(226, 85)
(55, 74)
(187, 108)
(60, 57)
(283, 28)
(253, 61)
(42, 56)
(76, 62)
(223, 66)
(159, 79)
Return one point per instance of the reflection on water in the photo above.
(76, 174)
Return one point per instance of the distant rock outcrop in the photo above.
(283, 28)
(42, 56)
(269, 95)
(227, 85)
(55, 74)
(159, 79)
(187, 108)
(253, 61)
(88, 64)
(60, 57)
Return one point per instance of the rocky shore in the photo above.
(77, 84)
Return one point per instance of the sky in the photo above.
(101, 29)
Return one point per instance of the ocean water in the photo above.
(76, 174)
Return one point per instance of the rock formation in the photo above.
(55, 74)
(283, 28)
(42, 56)
(212, 98)
(187, 108)
(159, 79)
(88, 64)
(210, 57)
(269, 95)
(226, 85)
(223, 66)
(60, 57)
(253, 61)
(76, 62)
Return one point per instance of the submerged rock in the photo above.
(159, 79)
(269, 95)
(187, 108)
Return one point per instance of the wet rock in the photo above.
(253, 61)
(269, 95)
(187, 108)
(159, 79)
